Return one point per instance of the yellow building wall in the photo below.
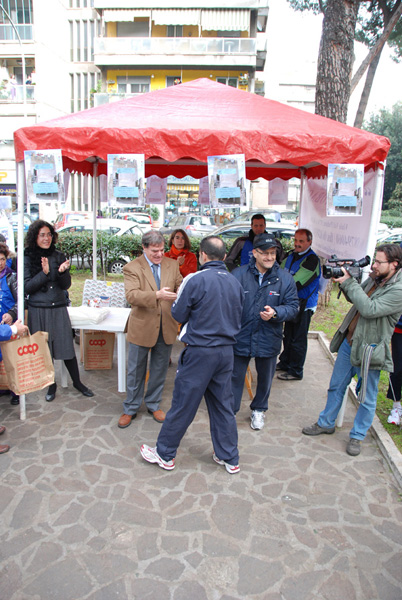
(158, 76)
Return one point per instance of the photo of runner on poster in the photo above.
(125, 175)
(227, 181)
(345, 190)
(44, 175)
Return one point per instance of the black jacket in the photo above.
(46, 291)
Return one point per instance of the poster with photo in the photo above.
(345, 190)
(125, 176)
(227, 181)
(44, 176)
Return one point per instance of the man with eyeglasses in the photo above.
(151, 283)
(363, 343)
(270, 299)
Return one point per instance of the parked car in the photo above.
(14, 221)
(234, 230)
(394, 236)
(67, 218)
(271, 214)
(193, 225)
(114, 227)
(143, 220)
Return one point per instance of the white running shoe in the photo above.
(151, 455)
(229, 468)
(395, 416)
(257, 419)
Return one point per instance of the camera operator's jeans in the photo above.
(341, 377)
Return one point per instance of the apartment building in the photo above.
(68, 55)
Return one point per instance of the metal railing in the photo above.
(14, 93)
(8, 34)
(185, 45)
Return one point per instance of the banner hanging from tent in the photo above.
(44, 175)
(125, 173)
(227, 181)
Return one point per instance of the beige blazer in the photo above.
(146, 311)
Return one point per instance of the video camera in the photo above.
(352, 266)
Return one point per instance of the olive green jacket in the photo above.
(379, 314)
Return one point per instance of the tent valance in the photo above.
(172, 16)
(225, 20)
(116, 15)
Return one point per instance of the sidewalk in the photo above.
(83, 517)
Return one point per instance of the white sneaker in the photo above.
(151, 455)
(229, 468)
(257, 419)
(395, 416)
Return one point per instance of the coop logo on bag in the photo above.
(97, 342)
(30, 349)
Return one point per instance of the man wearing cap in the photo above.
(270, 299)
(304, 266)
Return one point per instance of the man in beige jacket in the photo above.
(151, 282)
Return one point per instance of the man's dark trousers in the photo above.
(202, 371)
(265, 368)
(295, 345)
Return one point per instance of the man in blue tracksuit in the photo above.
(270, 299)
(209, 307)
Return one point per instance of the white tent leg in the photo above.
(21, 191)
(94, 212)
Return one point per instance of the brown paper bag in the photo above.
(98, 348)
(28, 363)
(4, 385)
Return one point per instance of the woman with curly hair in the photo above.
(47, 279)
(179, 249)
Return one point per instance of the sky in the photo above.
(293, 43)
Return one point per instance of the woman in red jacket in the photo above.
(179, 249)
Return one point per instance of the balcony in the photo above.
(217, 52)
(105, 98)
(15, 94)
(7, 33)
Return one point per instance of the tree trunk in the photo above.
(366, 91)
(335, 59)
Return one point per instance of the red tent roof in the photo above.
(177, 128)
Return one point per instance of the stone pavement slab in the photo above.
(83, 517)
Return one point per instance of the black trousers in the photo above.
(395, 378)
(295, 345)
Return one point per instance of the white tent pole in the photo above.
(94, 213)
(302, 178)
(21, 193)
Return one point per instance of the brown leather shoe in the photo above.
(2, 429)
(4, 449)
(158, 415)
(125, 420)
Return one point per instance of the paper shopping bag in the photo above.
(28, 363)
(4, 385)
(98, 347)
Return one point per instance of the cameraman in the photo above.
(363, 343)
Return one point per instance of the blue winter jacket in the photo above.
(209, 306)
(278, 289)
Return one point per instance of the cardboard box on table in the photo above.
(97, 349)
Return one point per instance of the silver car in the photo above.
(193, 225)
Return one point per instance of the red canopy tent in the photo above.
(177, 128)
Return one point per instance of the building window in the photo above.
(133, 85)
(175, 31)
(20, 12)
(133, 29)
(172, 80)
(230, 81)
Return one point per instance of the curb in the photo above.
(390, 453)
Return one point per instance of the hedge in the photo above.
(78, 245)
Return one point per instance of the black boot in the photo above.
(72, 368)
(51, 392)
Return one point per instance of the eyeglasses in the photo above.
(380, 262)
(45, 235)
(269, 253)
